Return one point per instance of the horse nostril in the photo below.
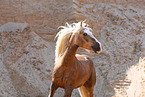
(99, 46)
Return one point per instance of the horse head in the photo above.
(85, 39)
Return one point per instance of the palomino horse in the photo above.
(74, 71)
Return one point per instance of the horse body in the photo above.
(66, 71)
(75, 71)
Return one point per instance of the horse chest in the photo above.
(64, 75)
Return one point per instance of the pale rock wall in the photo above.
(27, 47)
(44, 16)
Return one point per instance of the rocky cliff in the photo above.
(27, 45)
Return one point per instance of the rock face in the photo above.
(27, 47)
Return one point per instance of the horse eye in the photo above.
(85, 34)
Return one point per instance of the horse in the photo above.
(71, 70)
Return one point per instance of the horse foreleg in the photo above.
(68, 92)
(53, 88)
(91, 93)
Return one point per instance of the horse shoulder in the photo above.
(86, 62)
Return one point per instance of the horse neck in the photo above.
(69, 55)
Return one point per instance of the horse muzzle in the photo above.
(97, 48)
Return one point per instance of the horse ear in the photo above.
(81, 24)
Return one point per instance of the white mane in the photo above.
(64, 35)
